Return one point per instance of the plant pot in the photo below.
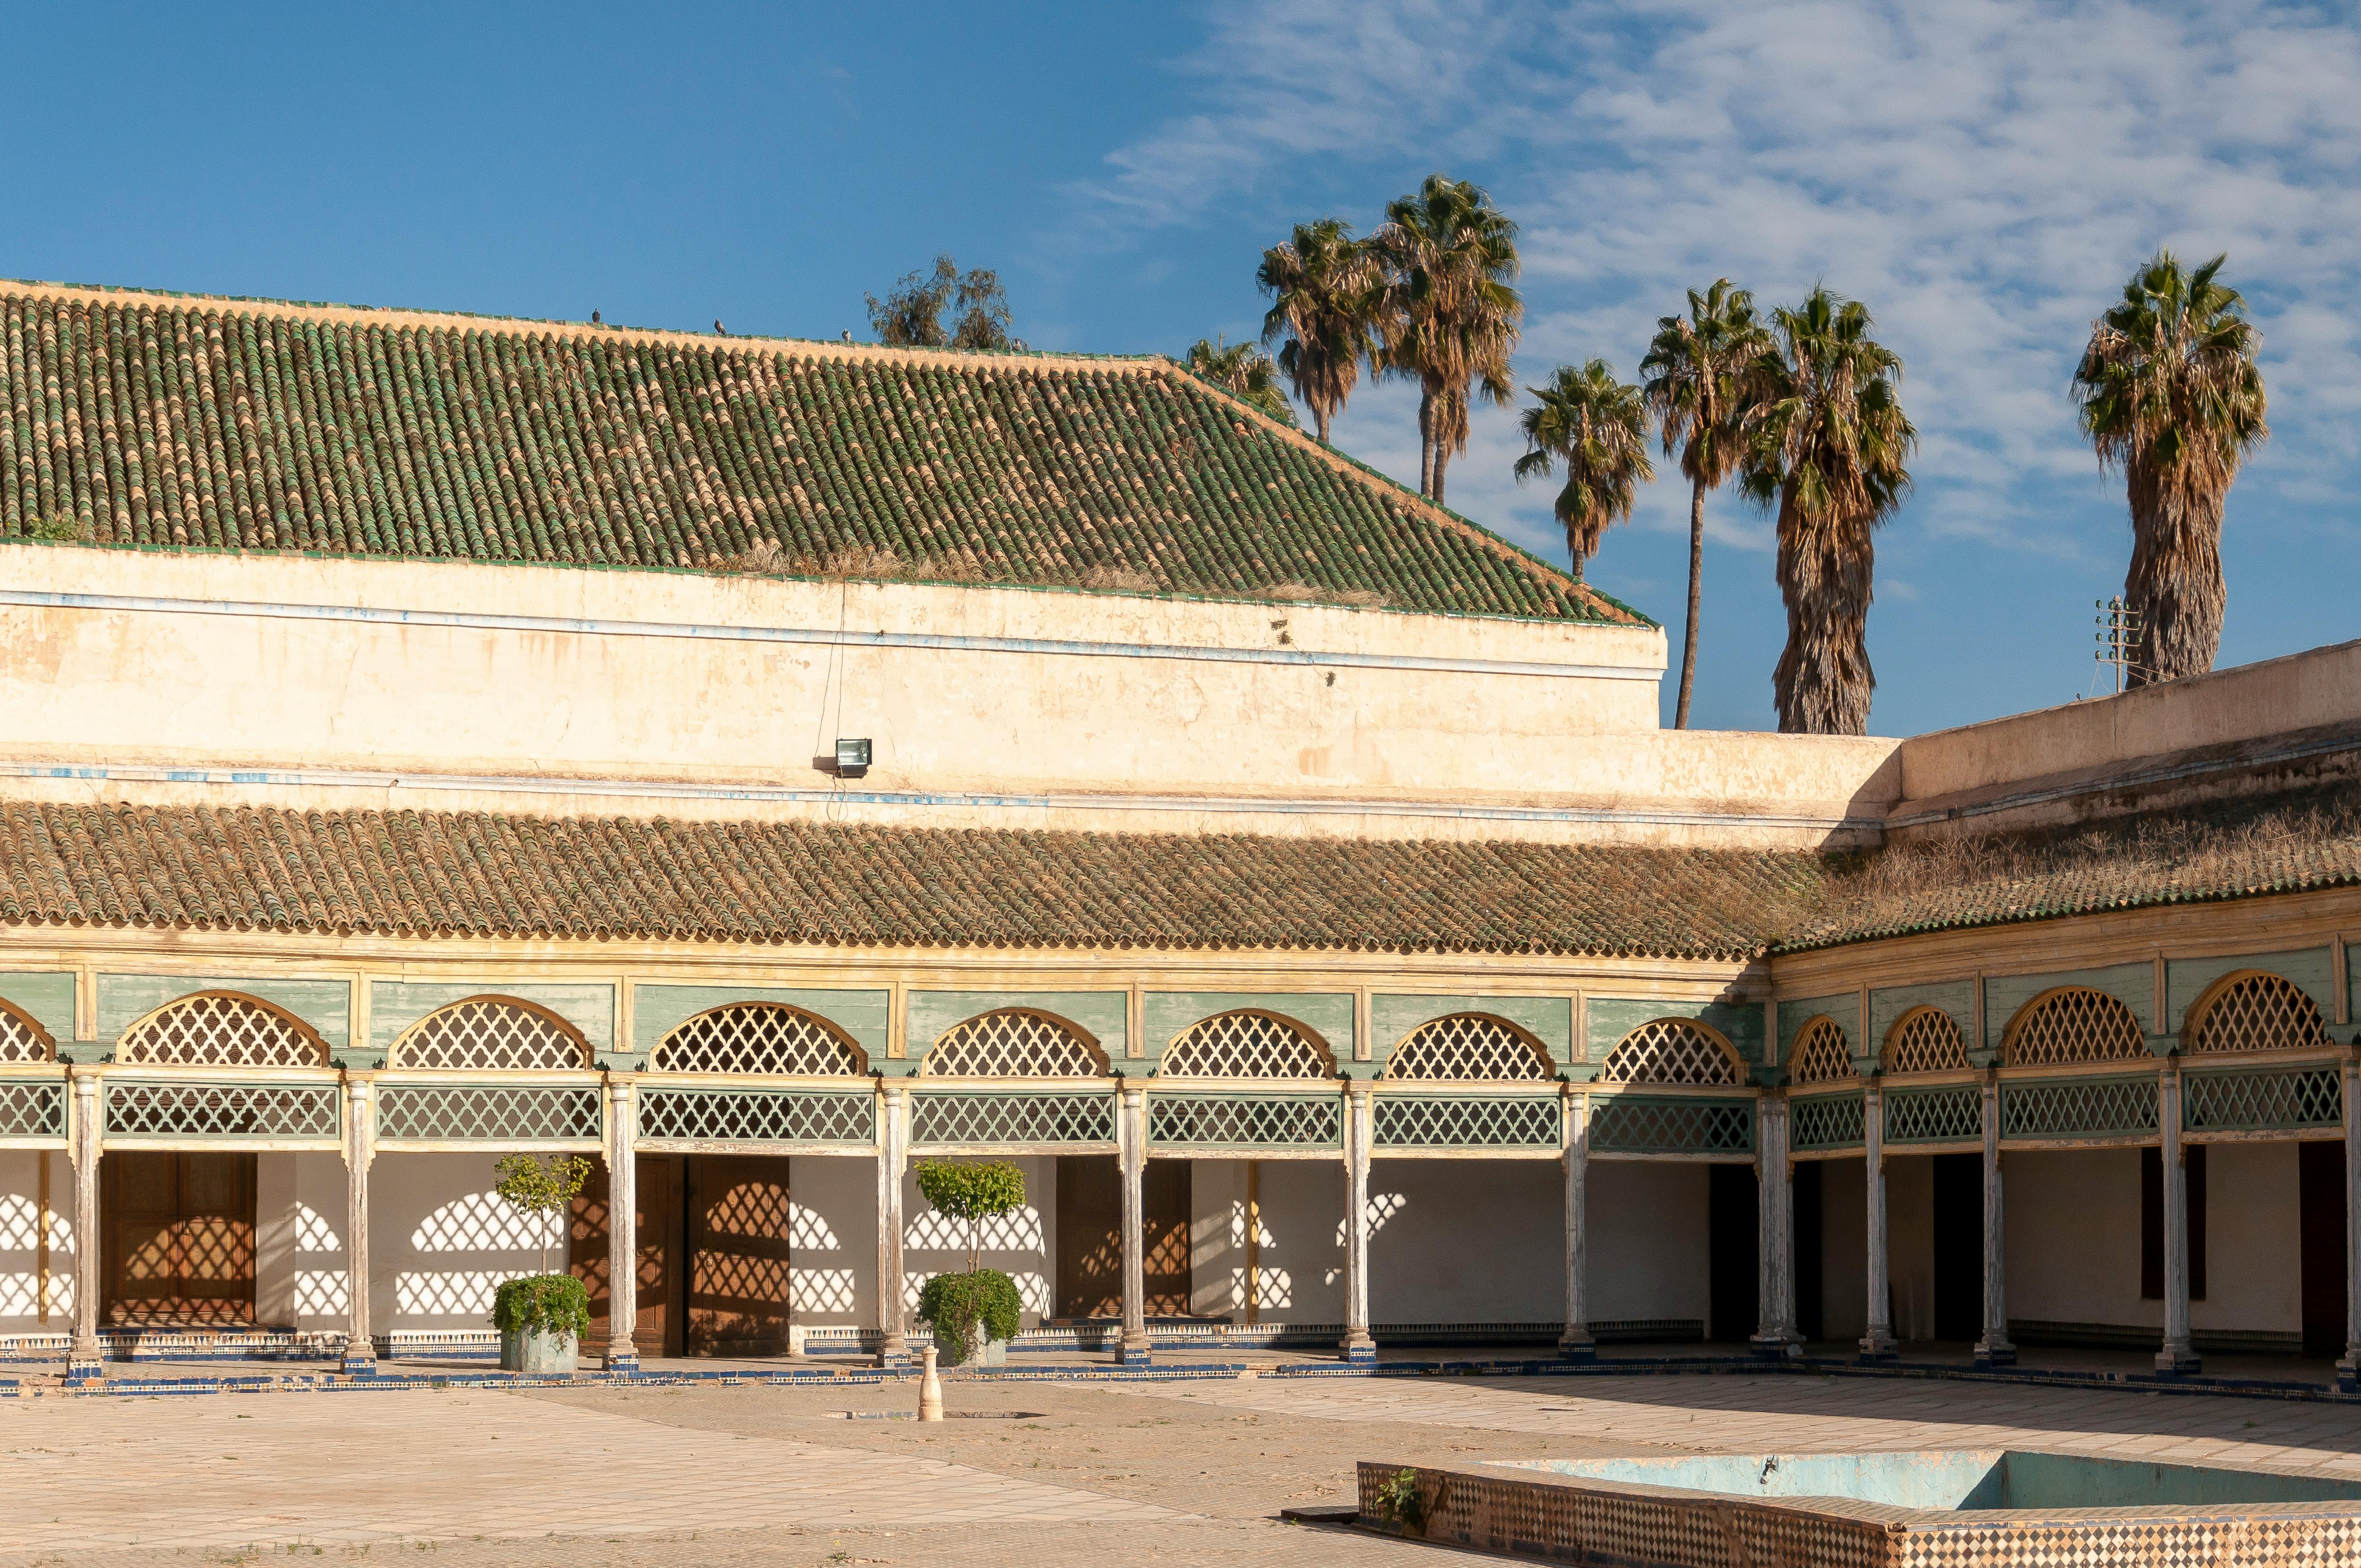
(976, 1350)
(537, 1350)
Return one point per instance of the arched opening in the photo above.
(1245, 1044)
(220, 1028)
(760, 1038)
(1013, 1042)
(491, 1034)
(1925, 1039)
(1674, 1051)
(2072, 1024)
(1820, 1055)
(2253, 1010)
(1469, 1047)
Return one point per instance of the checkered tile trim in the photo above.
(758, 1116)
(1635, 1124)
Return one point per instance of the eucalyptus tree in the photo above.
(1698, 389)
(1243, 371)
(2169, 391)
(1449, 316)
(1828, 442)
(1326, 297)
(1597, 428)
(911, 315)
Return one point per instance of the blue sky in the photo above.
(1982, 174)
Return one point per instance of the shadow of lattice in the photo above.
(313, 1233)
(808, 1232)
(823, 1289)
(482, 1223)
(321, 1293)
(1020, 1232)
(1381, 1207)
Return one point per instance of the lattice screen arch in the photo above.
(491, 1034)
(760, 1038)
(1013, 1042)
(1672, 1050)
(22, 1038)
(2072, 1024)
(1925, 1039)
(1245, 1044)
(1469, 1048)
(220, 1028)
(2256, 1010)
(1821, 1055)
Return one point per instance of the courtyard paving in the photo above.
(1042, 1474)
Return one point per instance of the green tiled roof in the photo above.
(173, 421)
(476, 874)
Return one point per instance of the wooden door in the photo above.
(2320, 1244)
(1090, 1236)
(178, 1245)
(656, 1326)
(737, 1266)
(1958, 1184)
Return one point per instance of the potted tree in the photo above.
(541, 1319)
(975, 1315)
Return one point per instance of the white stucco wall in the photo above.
(1649, 1230)
(301, 1277)
(22, 1274)
(832, 1240)
(2074, 1239)
(1467, 1242)
(1844, 1248)
(1910, 1244)
(1300, 1267)
(440, 1243)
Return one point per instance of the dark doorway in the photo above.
(2320, 1182)
(1811, 1319)
(178, 1238)
(1090, 1236)
(1734, 1286)
(1959, 1193)
(713, 1242)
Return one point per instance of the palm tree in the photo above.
(1827, 443)
(1449, 317)
(1598, 428)
(1324, 289)
(1697, 388)
(2169, 393)
(1244, 372)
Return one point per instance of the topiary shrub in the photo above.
(955, 1303)
(545, 1303)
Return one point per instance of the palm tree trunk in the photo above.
(1823, 680)
(2175, 586)
(1442, 457)
(1320, 422)
(1426, 442)
(1696, 598)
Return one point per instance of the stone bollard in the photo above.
(930, 1390)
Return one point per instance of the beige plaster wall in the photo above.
(832, 1240)
(1647, 1240)
(266, 665)
(441, 1242)
(1844, 1248)
(1467, 1242)
(1023, 1245)
(1910, 1244)
(300, 1278)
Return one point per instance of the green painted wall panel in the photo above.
(1328, 1015)
(2134, 985)
(325, 1004)
(1549, 1019)
(2185, 979)
(47, 996)
(1740, 1023)
(1099, 1013)
(657, 1010)
(1844, 1007)
(395, 1005)
(1886, 1007)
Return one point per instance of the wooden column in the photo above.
(892, 1152)
(2348, 1370)
(84, 1357)
(622, 1223)
(2176, 1355)
(1576, 1344)
(1775, 1333)
(1358, 1346)
(1131, 1150)
(1877, 1345)
(1994, 1349)
(360, 1153)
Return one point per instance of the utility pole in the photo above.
(2119, 638)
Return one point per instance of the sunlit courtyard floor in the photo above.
(1040, 1473)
